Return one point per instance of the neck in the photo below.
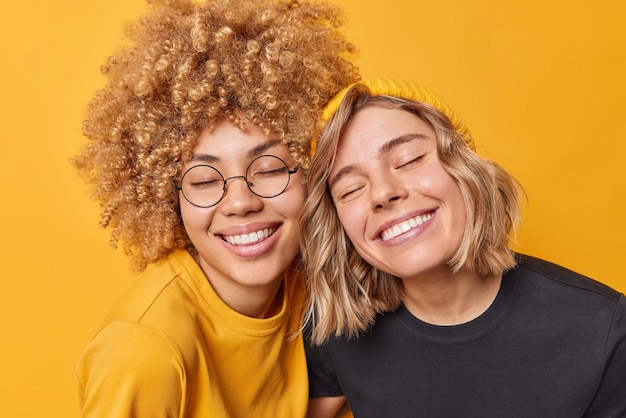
(257, 303)
(447, 298)
(263, 301)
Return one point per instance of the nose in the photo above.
(385, 190)
(238, 199)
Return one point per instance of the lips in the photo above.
(250, 238)
(405, 226)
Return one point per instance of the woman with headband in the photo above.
(419, 308)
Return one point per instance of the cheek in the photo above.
(352, 221)
(457, 206)
(291, 202)
(452, 189)
(291, 210)
(300, 194)
(195, 218)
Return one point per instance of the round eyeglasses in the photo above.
(204, 186)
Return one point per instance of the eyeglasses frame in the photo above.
(179, 187)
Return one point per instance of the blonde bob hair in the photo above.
(187, 65)
(346, 292)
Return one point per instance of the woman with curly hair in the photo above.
(418, 306)
(198, 149)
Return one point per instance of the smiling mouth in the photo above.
(252, 237)
(405, 226)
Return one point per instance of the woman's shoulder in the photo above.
(561, 276)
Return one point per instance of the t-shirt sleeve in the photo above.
(129, 370)
(610, 399)
(322, 379)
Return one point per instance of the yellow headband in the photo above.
(403, 90)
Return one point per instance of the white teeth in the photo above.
(405, 226)
(248, 238)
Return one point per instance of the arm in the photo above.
(610, 399)
(326, 399)
(128, 370)
(327, 407)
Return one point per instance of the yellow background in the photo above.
(539, 82)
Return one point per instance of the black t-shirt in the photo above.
(552, 344)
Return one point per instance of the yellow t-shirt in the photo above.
(172, 348)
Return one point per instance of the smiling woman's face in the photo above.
(400, 208)
(244, 241)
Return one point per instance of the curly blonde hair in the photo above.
(346, 292)
(188, 65)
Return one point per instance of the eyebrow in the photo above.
(341, 174)
(262, 148)
(254, 152)
(391, 144)
(384, 149)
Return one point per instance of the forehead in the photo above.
(373, 127)
(227, 142)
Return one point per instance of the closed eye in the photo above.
(206, 184)
(349, 194)
(411, 163)
(272, 172)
